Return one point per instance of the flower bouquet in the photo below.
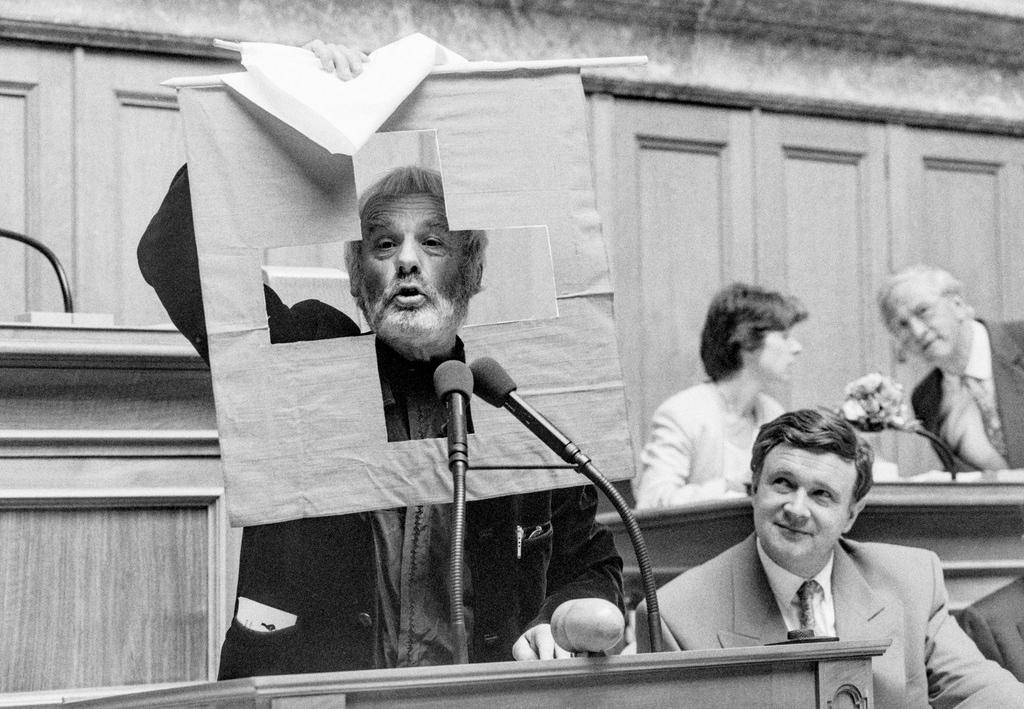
(875, 402)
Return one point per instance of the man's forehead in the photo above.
(812, 466)
(404, 209)
(917, 289)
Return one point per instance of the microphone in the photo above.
(587, 625)
(453, 383)
(493, 384)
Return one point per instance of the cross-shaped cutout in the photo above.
(518, 282)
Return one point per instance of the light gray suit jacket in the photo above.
(881, 591)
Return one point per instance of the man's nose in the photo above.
(916, 326)
(796, 347)
(408, 256)
(796, 506)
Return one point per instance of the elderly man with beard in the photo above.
(368, 590)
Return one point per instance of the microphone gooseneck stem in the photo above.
(643, 559)
(458, 461)
(458, 622)
(570, 453)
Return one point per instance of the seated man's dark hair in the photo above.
(819, 432)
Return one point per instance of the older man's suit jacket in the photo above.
(881, 591)
(996, 624)
(1007, 342)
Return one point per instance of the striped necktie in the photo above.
(989, 416)
(805, 597)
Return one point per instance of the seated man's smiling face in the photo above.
(802, 504)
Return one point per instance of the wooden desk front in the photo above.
(818, 675)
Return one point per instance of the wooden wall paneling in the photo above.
(965, 208)
(821, 224)
(128, 143)
(680, 228)
(35, 194)
(107, 587)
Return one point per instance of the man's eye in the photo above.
(824, 496)
(384, 244)
(782, 484)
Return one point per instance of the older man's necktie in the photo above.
(805, 597)
(989, 416)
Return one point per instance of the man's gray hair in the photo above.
(407, 180)
(943, 281)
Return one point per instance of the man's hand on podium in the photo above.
(578, 626)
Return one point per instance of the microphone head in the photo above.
(491, 382)
(587, 625)
(453, 376)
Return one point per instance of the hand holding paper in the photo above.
(289, 83)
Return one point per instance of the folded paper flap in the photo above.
(289, 83)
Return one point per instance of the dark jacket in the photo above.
(1007, 343)
(323, 569)
(996, 625)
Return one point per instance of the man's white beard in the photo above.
(431, 326)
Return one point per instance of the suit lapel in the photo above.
(864, 614)
(1008, 378)
(756, 617)
(860, 612)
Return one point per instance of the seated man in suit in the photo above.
(811, 473)
(996, 624)
(973, 399)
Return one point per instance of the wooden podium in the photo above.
(823, 675)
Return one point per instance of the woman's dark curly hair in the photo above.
(739, 317)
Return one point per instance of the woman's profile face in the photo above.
(774, 359)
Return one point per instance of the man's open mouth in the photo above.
(409, 296)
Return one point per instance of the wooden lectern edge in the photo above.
(581, 666)
(370, 681)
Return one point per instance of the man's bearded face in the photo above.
(413, 291)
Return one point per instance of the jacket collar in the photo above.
(861, 613)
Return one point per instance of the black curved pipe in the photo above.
(65, 288)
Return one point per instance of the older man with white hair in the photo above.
(973, 399)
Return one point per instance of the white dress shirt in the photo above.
(962, 424)
(784, 586)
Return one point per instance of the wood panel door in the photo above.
(821, 235)
(678, 223)
(35, 193)
(129, 142)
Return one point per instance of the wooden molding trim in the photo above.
(983, 568)
(111, 38)
(87, 355)
(594, 83)
(64, 498)
(74, 443)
